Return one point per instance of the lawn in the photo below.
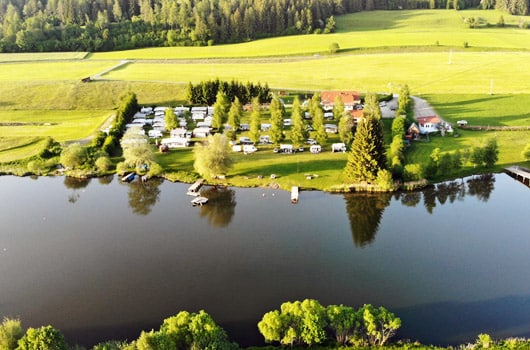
(14, 148)
(69, 125)
(424, 72)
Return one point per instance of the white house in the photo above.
(429, 124)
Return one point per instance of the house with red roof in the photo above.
(429, 124)
(349, 98)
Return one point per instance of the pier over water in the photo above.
(519, 173)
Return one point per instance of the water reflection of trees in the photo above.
(75, 184)
(365, 211)
(221, 206)
(105, 180)
(479, 186)
(143, 195)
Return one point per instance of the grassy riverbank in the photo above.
(42, 94)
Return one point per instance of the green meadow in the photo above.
(485, 83)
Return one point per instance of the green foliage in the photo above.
(484, 341)
(296, 323)
(195, 331)
(234, 115)
(220, 110)
(137, 151)
(155, 341)
(10, 332)
(525, 154)
(213, 157)
(43, 338)
(367, 155)
(343, 322)
(255, 121)
(398, 126)
(333, 48)
(171, 119)
(299, 131)
(206, 92)
(73, 156)
(277, 111)
(413, 172)
(378, 325)
(103, 164)
(384, 180)
(346, 125)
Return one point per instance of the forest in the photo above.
(107, 25)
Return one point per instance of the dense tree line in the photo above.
(99, 25)
(206, 92)
(104, 25)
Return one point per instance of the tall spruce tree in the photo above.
(299, 130)
(367, 155)
(234, 118)
(277, 111)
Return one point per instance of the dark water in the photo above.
(103, 260)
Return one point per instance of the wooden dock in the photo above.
(193, 190)
(519, 173)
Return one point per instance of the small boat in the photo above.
(193, 193)
(199, 201)
(128, 178)
(294, 194)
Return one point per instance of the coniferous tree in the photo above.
(319, 127)
(277, 111)
(299, 130)
(367, 155)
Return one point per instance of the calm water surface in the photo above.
(103, 260)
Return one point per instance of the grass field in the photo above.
(362, 30)
(423, 72)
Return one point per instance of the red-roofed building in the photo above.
(356, 114)
(349, 98)
(429, 124)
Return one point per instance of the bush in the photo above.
(103, 164)
(413, 172)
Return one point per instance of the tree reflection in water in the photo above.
(143, 195)
(365, 211)
(75, 184)
(105, 180)
(481, 186)
(221, 205)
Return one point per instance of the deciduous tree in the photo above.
(255, 120)
(43, 338)
(213, 157)
(171, 119)
(220, 110)
(10, 332)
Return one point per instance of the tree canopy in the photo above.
(212, 157)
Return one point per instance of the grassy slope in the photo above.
(361, 30)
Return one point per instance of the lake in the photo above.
(100, 259)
